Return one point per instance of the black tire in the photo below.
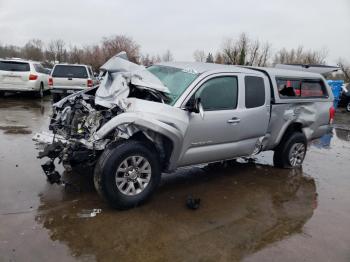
(40, 93)
(56, 97)
(2, 93)
(281, 157)
(105, 174)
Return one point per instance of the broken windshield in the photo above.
(175, 79)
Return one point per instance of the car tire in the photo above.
(348, 107)
(56, 97)
(290, 153)
(127, 174)
(40, 93)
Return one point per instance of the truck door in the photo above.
(228, 129)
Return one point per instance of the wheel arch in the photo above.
(288, 130)
(165, 138)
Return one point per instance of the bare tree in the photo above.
(168, 56)
(244, 51)
(345, 68)
(113, 45)
(300, 56)
(94, 56)
(230, 52)
(199, 56)
(75, 55)
(254, 52)
(33, 50)
(218, 58)
(56, 51)
(264, 55)
(10, 51)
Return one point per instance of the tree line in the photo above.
(236, 51)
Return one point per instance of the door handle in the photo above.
(234, 120)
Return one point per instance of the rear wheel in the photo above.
(348, 107)
(127, 174)
(291, 151)
(40, 93)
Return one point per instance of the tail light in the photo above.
(331, 114)
(50, 81)
(33, 77)
(89, 83)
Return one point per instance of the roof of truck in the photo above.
(272, 71)
(199, 68)
(206, 67)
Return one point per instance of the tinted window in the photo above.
(219, 93)
(312, 89)
(70, 71)
(254, 91)
(14, 66)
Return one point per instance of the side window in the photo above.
(219, 93)
(312, 89)
(288, 87)
(90, 72)
(254, 91)
(39, 68)
(301, 88)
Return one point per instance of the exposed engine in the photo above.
(79, 117)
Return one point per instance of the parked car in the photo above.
(17, 75)
(142, 122)
(66, 79)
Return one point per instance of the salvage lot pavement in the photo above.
(249, 210)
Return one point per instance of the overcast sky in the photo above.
(182, 25)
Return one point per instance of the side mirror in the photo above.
(195, 106)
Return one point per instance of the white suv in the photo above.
(66, 79)
(17, 75)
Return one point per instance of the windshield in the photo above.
(175, 79)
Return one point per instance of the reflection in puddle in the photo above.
(244, 208)
(325, 141)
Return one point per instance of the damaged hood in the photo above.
(120, 74)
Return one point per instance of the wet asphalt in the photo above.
(249, 210)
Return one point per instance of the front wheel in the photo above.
(290, 153)
(127, 174)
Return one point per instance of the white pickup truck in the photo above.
(66, 79)
(141, 122)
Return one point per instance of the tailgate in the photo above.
(69, 77)
(14, 73)
(69, 83)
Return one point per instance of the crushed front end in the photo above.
(71, 142)
(77, 118)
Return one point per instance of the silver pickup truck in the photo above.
(142, 122)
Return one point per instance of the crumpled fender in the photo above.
(148, 122)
